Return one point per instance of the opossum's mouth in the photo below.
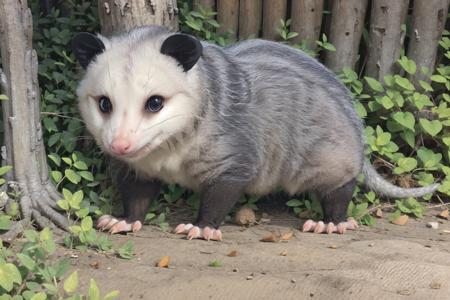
(139, 153)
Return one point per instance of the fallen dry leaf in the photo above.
(401, 220)
(287, 236)
(95, 264)
(443, 214)
(332, 247)
(233, 253)
(435, 285)
(270, 238)
(284, 253)
(379, 213)
(245, 216)
(163, 262)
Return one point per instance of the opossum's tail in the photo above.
(378, 184)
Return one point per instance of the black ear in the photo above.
(184, 48)
(86, 46)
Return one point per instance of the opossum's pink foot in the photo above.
(195, 232)
(113, 225)
(321, 227)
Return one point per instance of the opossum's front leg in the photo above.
(334, 206)
(216, 201)
(136, 195)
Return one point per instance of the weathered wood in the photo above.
(206, 4)
(347, 22)
(428, 21)
(250, 16)
(385, 37)
(306, 16)
(122, 15)
(228, 16)
(24, 147)
(273, 12)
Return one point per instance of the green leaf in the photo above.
(80, 165)
(86, 175)
(360, 109)
(67, 160)
(438, 78)
(426, 86)
(374, 84)
(404, 83)
(405, 164)
(4, 170)
(94, 292)
(86, 223)
(385, 101)
(56, 175)
(5, 222)
(431, 127)
(63, 204)
(72, 176)
(406, 119)
(408, 65)
(71, 283)
(9, 274)
(383, 139)
(3, 97)
(111, 295)
(409, 137)
(126, 251)
(428, 157)
(294, 202)
(27, 261)
(39, 296)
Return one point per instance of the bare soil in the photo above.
(382, 262)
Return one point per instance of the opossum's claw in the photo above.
(309, 225)
(195, 232)
(321, 227)
(113, 225)
(183, 228)
(212, 234)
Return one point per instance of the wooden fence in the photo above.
(344, 22)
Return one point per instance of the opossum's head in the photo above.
(139, 90)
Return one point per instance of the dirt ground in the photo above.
(382, 262)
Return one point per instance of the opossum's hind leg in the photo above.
(216, 201)
(334, 207)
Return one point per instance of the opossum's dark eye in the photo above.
(105, 105)
(154, 103)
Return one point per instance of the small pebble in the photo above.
(293, 280)
(249, 277)
(332, 247)
(433, 225)
(235, 270)
(371, 244)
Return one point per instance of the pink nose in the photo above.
(121, 146)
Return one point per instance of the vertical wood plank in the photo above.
(228, 16)
(306, 16)
(250, 15)
(347, 23)
(273, 12)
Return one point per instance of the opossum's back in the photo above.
(312, 135)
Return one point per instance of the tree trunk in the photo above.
(385, 36)
(306, 18)
(206, 4)
(347, 22)
(24, 147)
(250, 14)
(227, 16)
(428, 20)
(273, 12)
(122, 15)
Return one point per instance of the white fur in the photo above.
(128, 75)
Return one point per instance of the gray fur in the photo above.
(270, 116)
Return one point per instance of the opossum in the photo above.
(247, 118)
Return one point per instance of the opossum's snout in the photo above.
(121, 146)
